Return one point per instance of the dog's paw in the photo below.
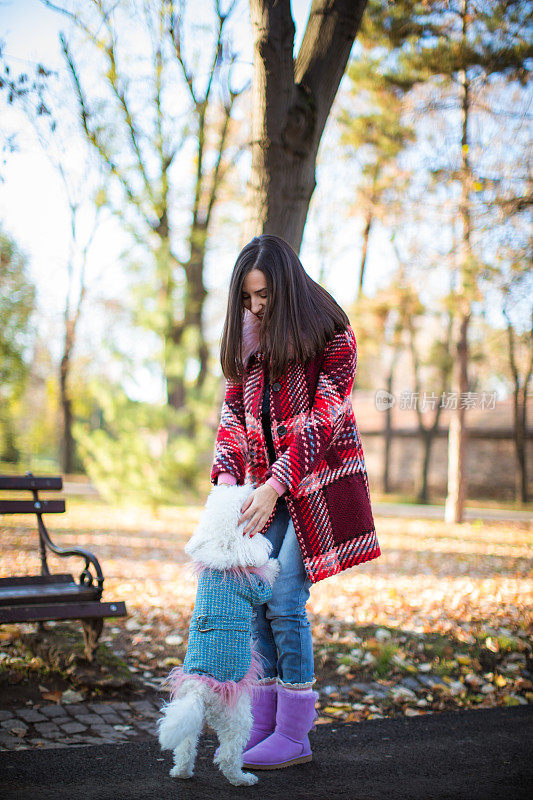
(179, 772)
(242, 779)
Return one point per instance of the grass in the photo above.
(384, 657)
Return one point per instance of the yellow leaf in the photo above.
(172, 662)
(9, 632)
(511, 701)
(55, 697)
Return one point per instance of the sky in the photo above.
(33, 205)
(31, 189)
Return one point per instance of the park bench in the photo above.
(44, 597)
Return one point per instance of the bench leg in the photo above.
(92, 628)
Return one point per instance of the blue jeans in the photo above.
(280, 628)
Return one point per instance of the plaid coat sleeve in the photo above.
(231, 445)
(331, 404)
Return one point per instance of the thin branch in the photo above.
(219, 171)
(120, 94)
(218, 47)
(70, 15)
(175, 34)
(91, 134)
(217, 176)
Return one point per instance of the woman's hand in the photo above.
(257, 508)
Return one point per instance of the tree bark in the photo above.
(520, 413)
(71, 316)
(454, 506)
(366, 237)
(291, 101)
(427, 434)
(388, 431)
(67, 447)
(67, 440)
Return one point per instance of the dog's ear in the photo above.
(271, 570)
(218, 540)
(255, 550)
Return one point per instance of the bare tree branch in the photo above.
(217, 175)
(93, 136)
(120, 94)
(70, 15)
(175, 34)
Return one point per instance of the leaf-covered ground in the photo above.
(441, 620)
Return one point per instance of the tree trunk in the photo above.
(520, 442)
(453, 510)
(191, 325)
(366, 237)
(422, 494)
(454, 505)
(8, 448)
(520, 416)
(67, 440)
(291, 101)
(177, 353)
(388, 434)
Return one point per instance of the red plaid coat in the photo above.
(318, 448)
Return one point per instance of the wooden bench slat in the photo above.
(39, 580)
(51, 484)
(42, 613)
(56, 593)
(32, 507)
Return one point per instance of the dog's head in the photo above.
(218, 540)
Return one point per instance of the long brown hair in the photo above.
(298, 309)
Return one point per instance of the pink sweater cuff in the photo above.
(278, 485)
(225, 477)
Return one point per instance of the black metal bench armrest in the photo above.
(30, 482)
(86, 577)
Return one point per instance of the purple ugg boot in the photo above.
(264, 703)
(264, 698)
(289, 744)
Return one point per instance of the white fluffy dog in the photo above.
(220, 668)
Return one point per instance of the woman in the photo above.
(287, 425)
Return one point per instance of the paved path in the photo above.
(76, 723)
(473, 755)
(52, 725)
(437, 512)
(380, 509)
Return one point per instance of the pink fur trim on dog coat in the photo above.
(229, 691)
